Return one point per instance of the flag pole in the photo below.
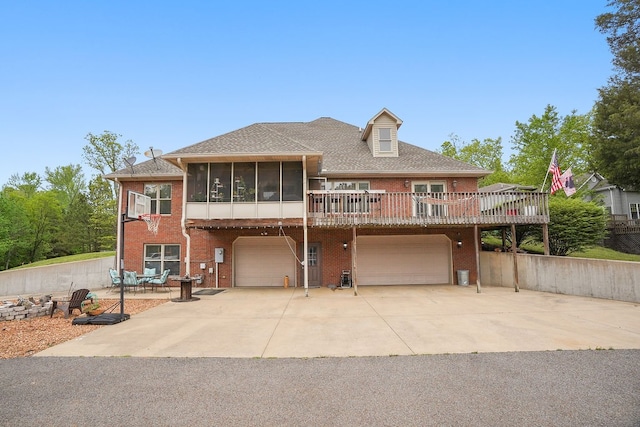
(547, 175)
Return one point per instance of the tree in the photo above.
(534, 142)
(44, 215)
(28, 183)
(574, 225)
(102, 218)
(14, 229)
(68, 182)
(105, 154)
(486, 154)
(624, 34)
(616, 139)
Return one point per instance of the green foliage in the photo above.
(616, 141)
(574, 225)
(28, 183)
(68, 182)
(103, 216)
(13, 227)
(534, 142)
(486, 154)
(105, 154)
(623, 32)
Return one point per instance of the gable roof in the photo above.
(338, 145)
(370, 123)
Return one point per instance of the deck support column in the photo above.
(477, 249)
(514, 249)
(305, 232)
(354, 275)
(545, 238)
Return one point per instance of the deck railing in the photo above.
(346, 208)
(621, 224)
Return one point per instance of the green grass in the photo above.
(596, 252)
(70, 258)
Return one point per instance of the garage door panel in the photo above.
(263, 261)
(403, 260)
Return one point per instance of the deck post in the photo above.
(354, 275)
(545, 238)
(477, 249)
(514, 249)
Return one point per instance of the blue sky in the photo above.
(170, 74)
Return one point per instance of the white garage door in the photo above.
(263, 261)
(403, 260)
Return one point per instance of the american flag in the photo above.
(554, 170)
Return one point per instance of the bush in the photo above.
(574, 225)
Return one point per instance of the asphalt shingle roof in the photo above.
(340, 144)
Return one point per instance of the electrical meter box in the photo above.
(219, 256)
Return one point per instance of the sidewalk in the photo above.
(380, 321)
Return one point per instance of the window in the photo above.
(384, 140)
(160, 198)
(220, 182)
(634, 210)
(269, 182)
(292, 181)
(244, 182)
(197, 182)
(426, 199)
(162, 257)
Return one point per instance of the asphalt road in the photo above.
(559, 388)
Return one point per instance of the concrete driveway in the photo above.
(380, 321)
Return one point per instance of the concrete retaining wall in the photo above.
(616, 280)
(90, 274)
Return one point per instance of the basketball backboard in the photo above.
(137, 205)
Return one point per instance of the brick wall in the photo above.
(334, 257)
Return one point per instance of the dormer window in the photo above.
(384, 139)
(381, 134)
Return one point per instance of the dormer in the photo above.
(381, 134)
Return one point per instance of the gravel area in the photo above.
(21, 338)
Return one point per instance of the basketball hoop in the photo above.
(153, 221)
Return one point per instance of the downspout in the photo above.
(305, 244)
(183, 220)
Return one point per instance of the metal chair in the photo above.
(161, 281)
(131, 280)
(115, 279)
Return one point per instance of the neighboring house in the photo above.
(252, 206)
(623, 207)
(618, 202)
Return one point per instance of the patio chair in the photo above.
(115, 278)
(160, 281)
(76, 300)
(131, 280)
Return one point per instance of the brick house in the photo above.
(253, 206)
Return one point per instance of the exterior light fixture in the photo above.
(344, 245)
(406, 183)
(455, 184)
(459, 243)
